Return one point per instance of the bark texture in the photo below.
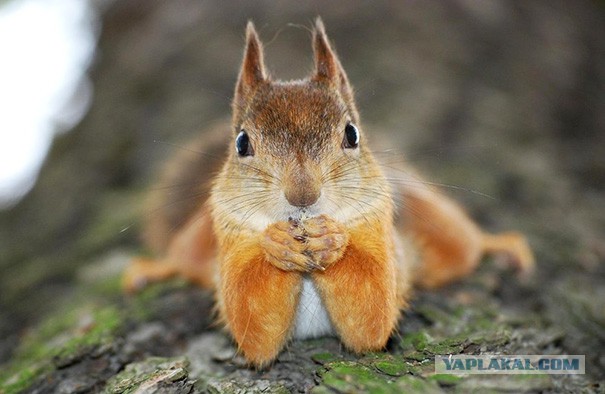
(504, 99)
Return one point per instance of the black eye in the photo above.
(351, 139)
(242, 144)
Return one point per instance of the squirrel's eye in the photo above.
(351, 139)
(242, 144)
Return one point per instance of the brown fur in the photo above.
(252, 242)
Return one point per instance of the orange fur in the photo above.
(257, 301)
(190, 253)
(450, 243)
(360, 290)
(304, 204)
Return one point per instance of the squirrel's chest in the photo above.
(312, 318)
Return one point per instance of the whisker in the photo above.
(407, 182)
(428, 153)
(196, 184)
(401, 204)
(357, 209)
(188, 149)
(445, 185)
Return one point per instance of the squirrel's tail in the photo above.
(184, 186)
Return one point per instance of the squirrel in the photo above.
(302, 232)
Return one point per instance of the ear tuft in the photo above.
(326, 64)
(319, 25)
(253, 68)
(328, 69)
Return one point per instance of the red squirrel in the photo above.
(296, 233)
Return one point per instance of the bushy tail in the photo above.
(184, 186)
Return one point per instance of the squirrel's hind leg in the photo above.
(449, 243)
(190, 254)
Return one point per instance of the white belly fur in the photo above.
(312, 319)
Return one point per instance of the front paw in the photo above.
(326, 240)
(285, 247)
(308, 245)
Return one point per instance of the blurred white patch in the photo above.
(45, 48)
(312, 320)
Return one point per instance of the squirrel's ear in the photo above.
(253, 68)
(327, 66)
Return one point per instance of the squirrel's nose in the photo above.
(301, 188)
(302, 198)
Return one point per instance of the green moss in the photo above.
(445, 379)
(420, 345)
(505, 383)
(447, 346)
(381, 373)
(416, 341)
(105, 322)
(16, 382)
(416, 356)
(323, 358)
(322, 390)
(412, 384)
(60, 337)
(462, 326)
(110, 287)
(393, 367)
(348, 376)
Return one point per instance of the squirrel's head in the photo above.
(298, 149)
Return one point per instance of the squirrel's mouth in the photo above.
(302, 213)
(284, 211)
